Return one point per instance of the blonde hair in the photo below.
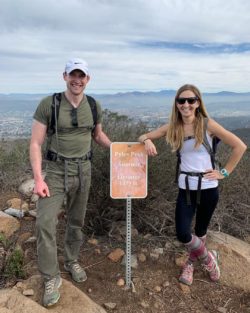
(175, 133)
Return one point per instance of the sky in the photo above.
(130, 45)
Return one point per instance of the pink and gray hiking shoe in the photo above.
(213, 267)
(187, 274)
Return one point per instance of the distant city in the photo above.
(231, 109)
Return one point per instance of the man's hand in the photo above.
(41, 189)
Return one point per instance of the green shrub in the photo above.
(14, 264)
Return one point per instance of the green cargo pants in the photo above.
(47, 219)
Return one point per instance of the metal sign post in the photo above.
(128, 242)
(128, 179)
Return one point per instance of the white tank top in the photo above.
(195, 160)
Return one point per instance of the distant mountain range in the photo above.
(233, 109)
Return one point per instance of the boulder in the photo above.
(72, 299)
(8, 224)
(12, 301)
(234, 259)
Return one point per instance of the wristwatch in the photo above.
(224, 172)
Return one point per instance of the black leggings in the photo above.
(184, 213)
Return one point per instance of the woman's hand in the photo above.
(150, 147)
(213, 174)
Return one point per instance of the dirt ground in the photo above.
(156, 286)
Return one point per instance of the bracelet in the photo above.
(224, 172)
(146, 139)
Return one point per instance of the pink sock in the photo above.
(197, 249)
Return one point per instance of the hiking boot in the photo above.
(212, 267)
(77, 272)
(187, 274)
(51, 292)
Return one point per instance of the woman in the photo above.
(198, 179)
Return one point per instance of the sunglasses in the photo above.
(74, 120)
(190, 100)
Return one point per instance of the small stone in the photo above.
(20, 285)
(136, 280)
(157, 288)
(222, 310)
(23, 237)
(97, 251)
(158, 251)
(154, 256)
(89, 290)
(120, 282)
(166, 284)
(133, 260)
(180, 261)
(31, 240)
(93, 241)
(184, 288)
(32, 213)
(116, 255)
(110, 305)
(141, 257)
(147, 236)
(28, 292)
(144, 304)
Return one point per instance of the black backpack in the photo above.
(55, 108)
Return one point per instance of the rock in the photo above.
(14, 212)
(120, 282)
(118, 230)
(34, 198)
(157, 288)
(234, 259)
(18, 204)
(184, 288)
(141, 257)
(154, 256)
(32, 213)
(26, 188)
(144, 304)
(133, 261)
(222, 310)
(31, 239)
(28, 292)
(14, 302)
(110, 305)
(71, 299)
(23, 237)
(93, 241)
(159, 251)
(8, 224)
(180, 261)
(166, 284)
(116, 255)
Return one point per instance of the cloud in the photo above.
(129, 45)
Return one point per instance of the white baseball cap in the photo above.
(77, 64)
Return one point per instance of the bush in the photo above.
(14, 264)
(154, 214)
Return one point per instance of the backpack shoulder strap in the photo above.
(92, 104)
(205, 143)
(55, 107)
(210, 149)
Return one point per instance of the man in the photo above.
(68, 172)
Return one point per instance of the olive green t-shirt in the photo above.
(73, 142)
